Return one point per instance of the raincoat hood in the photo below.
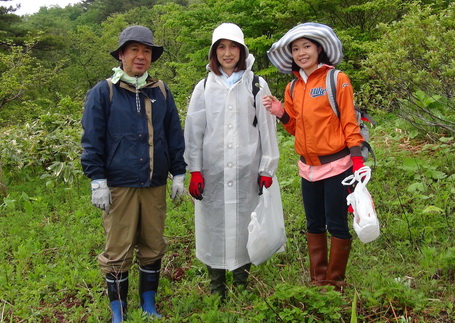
(231, 32)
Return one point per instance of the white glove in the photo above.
(101, 195)
(177, 186)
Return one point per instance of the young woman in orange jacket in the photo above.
(329, 146)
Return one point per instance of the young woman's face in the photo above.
(228, 55)
(305, 54)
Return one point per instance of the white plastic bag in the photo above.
(266, 234)
(366, 223)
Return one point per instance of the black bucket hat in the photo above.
(141, 35)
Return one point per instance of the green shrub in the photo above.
(412, 69)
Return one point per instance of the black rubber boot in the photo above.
(241, 276)
(149, 277)
(117, 290)
(217, 281)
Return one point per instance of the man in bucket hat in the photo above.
(329, 146)
(132, 139)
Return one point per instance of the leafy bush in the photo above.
(21, 77)
(413, 67)
(50, 144)
(292, 303)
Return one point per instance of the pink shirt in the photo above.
(317, 173)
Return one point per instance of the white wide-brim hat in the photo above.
(229, 31)
(280, 53)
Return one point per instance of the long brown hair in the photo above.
(214, 64)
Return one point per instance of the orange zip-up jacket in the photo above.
(317, 129)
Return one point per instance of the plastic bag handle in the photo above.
(349, 180)
(266, 197)
(363, 175)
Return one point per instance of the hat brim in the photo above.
(280, 54)
(156, 52)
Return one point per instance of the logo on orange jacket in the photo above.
(319, 91)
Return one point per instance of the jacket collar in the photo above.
(150, 82)
(321, 69)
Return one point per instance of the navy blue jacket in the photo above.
(116, 141)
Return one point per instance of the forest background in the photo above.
(400, 57)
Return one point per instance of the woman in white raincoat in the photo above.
(229, 155)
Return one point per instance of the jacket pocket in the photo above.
(112, 151)
(161, 160)
(126, 159)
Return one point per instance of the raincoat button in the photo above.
(230, 146)
(230, 183)
(230, 165)
(230, 126)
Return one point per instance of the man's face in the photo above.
(136, 58)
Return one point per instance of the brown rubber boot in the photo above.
(338, 260)
(317, 250)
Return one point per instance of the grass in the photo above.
(51, 235)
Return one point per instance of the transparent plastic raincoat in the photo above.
(222, 143)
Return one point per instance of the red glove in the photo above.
(264, 181)
(196, 185)
(357, 163)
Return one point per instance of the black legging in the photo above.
(325, 205)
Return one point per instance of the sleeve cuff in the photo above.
(285, 118)
(355, 151)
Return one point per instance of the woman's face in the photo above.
(228, 55)
(305, 55)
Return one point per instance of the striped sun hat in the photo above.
(280, 52)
